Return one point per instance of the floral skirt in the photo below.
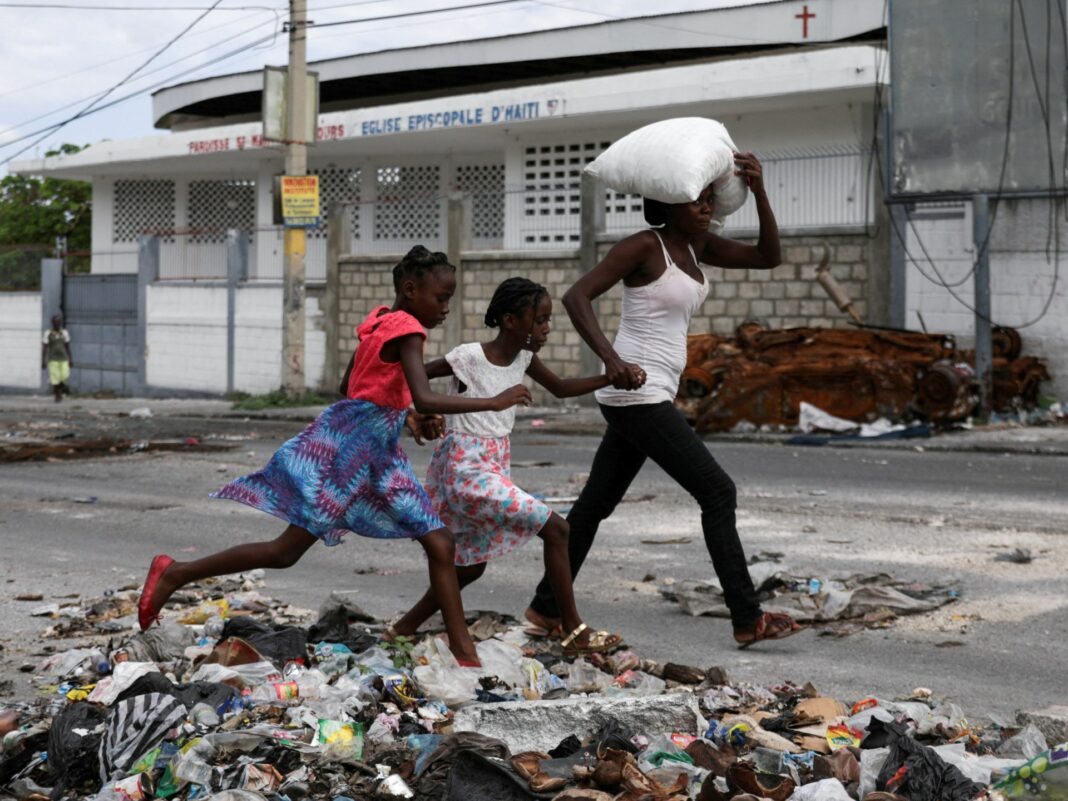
(470, 484)
(345, 472)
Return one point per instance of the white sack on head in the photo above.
(673, 161)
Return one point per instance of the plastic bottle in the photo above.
(99, 662)
(276, 691)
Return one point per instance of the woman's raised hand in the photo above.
(518, 395)
(749, 168)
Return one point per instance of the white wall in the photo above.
(1021, 278)
(20, 340)
(186, 337)
(258, 344)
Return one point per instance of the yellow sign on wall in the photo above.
(300, 200)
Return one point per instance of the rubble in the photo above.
(761, 376)
(539, 727)
(846, 604)
(240, 697)
(1051, 721)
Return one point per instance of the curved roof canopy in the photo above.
(389, 76)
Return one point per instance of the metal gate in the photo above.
(100, 312)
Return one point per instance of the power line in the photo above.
(940, 280)
(111, 89)
(80, 7)
(160, 68)
(416, 13)
(48, 130)
(90, 67)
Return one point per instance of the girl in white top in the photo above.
(663, 286)
(469, 480)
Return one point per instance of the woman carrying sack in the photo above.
(663, 286)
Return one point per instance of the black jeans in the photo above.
(659, 432)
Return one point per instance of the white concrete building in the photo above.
(509, 121)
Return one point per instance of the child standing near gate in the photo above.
(346, 471)
(56, 358)
(469, 479)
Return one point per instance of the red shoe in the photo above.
(146, 614)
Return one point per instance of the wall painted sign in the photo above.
(462, 117)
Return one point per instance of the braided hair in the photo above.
(512, 297)
(416, 263)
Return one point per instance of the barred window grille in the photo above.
(216, 206)
(485, 184)
(552, 201)
(338, 185)
(142, 207)
(408, 203)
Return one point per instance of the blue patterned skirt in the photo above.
(345, 472)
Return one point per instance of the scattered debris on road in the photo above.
(240, 697)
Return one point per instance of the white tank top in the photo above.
(652, 332)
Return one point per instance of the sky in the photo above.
(55, 61)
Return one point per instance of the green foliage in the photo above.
(34, 211)
(400, 648)
(276, 399)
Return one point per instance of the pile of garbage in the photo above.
(762, 376)
(238, 697)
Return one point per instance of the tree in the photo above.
(34, 211)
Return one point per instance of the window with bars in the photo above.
(338, 185)
(552, 202)
(485, 184)
(140, 207)
(217, 206)
(408, 205)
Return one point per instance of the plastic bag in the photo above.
(1044, 778)
(206, 610)
(583, 677)
(825, 790)
(341, 741)
(502, 660)
(442, 677)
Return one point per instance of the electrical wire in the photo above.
(160, 68)
(81, 7)
(646, 21)
(87, 109)
(407, 14)
(940, 280)
(91, 67)
(165, 82)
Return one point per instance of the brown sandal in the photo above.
(600, 642)
(769, 626)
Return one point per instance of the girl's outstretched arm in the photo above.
(564, 387)
(428, 402)
(439, 368)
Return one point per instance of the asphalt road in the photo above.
(918, 515)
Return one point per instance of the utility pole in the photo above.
(295, 240)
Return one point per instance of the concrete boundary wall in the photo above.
(1024, 277)
(186, 338)
(21, 328)
(786, 296)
